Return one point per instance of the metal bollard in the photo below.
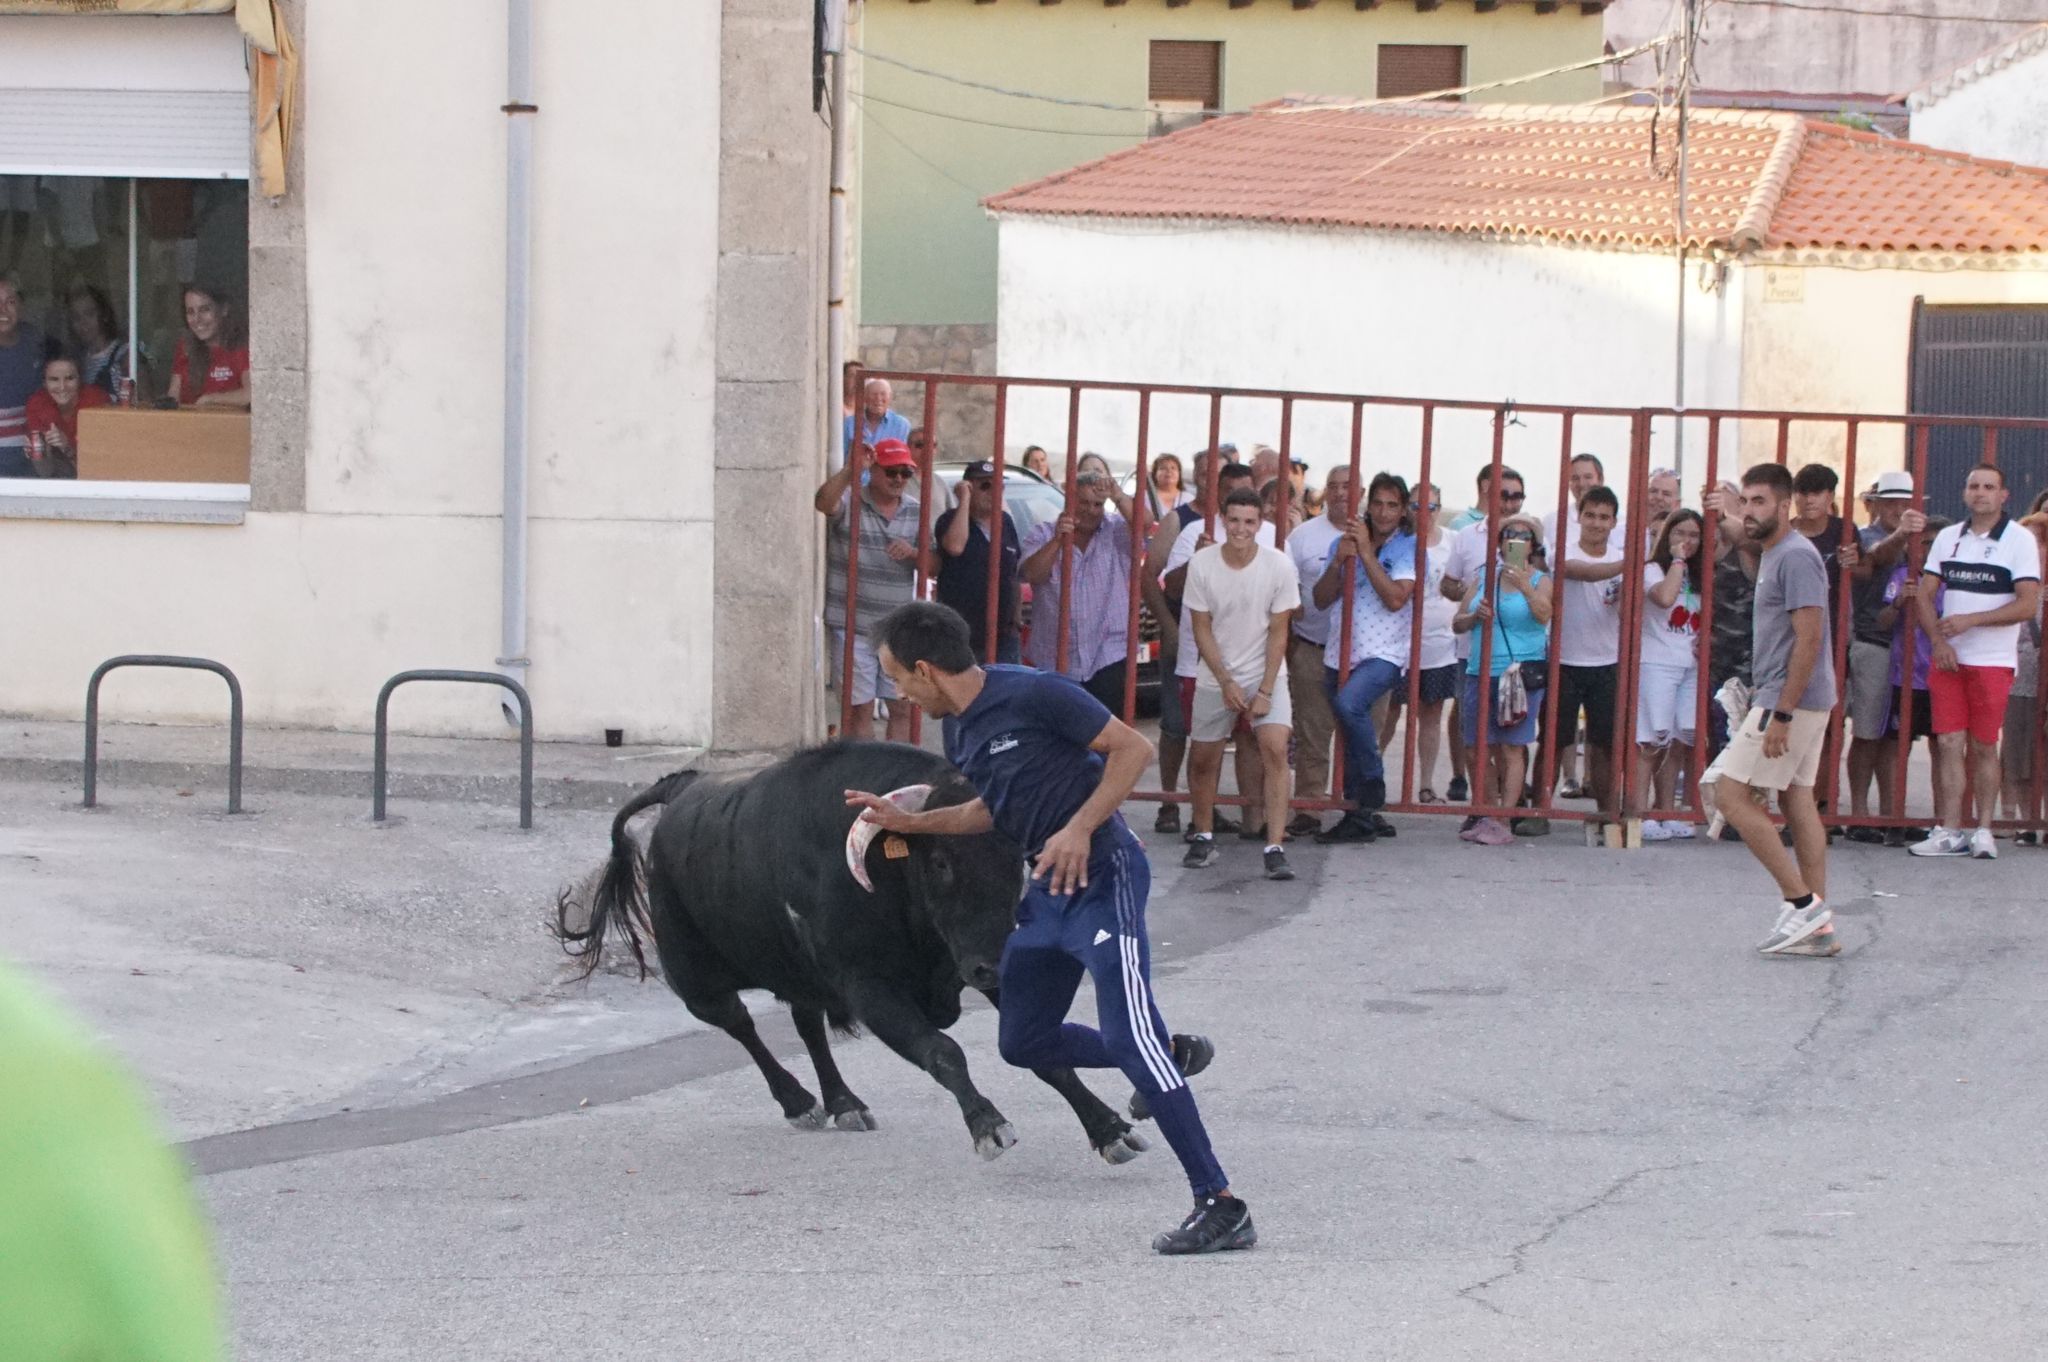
(200, 664)
(383, 738)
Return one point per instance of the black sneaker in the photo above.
(1381, 826)
(1471, 821)
(1532, 826)
(1895, 837)
(1304, 825)
(1458, 792)
(1201, 854)
(1168, 819)
(1350, 828)
(1276, 865)
(1218, 825)
(1191, 1055)
(1217, 1223)
(1871, 837)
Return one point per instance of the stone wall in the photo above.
(966, 415)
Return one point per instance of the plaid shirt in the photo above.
(1097, 635)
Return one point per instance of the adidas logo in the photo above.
(1100, 936)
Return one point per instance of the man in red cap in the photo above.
(885, 514)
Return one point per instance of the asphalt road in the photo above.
(1537, 1102)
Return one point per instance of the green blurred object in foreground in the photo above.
(102, 1254)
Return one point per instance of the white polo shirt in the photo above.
(1982, 572)
(1309, 546)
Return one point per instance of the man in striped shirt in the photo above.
(886, 511)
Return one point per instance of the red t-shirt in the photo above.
(45, 415)
(227, 369)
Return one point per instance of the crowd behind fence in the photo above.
(1708, 447)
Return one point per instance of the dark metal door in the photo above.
(1981, 361)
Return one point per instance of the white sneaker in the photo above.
(1679, 832)
(1981, 845)
(1654, 831)
(1794, 925)
(1942, 842)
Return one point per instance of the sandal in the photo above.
(1427, 796)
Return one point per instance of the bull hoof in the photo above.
(992, 1145)
(1124, 1148)
(814, 1119)
(860, 1118)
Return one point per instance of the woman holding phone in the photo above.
(1668, 699)
(1518, 613)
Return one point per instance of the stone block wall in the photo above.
(966, 415)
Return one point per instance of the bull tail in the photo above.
(620, 898)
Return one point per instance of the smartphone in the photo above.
(1516, 553)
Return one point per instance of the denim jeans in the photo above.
(1365, 775)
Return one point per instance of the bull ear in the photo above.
(911, 799)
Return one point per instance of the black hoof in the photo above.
(860, 1118)
(992, 1145)
(1124, 1148)
(814, 1119)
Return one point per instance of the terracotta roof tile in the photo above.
(1560, 173)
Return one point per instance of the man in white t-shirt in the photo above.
(1991, 571)
(1314, 724)
(1586, 473)
(1589, 643)
(1239, 597)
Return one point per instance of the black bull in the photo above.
(746, 886)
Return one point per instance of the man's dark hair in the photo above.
(1602, 495)
(1774, 476)
(1486, 475)
(1593, 459)
(1234, 470)
(925, 631)
(1987, 468)
(1816, 477)
(1244, 496)
(1382, 482)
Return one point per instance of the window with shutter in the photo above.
(1186, 75)
(1408, 69)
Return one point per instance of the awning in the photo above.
(273, 65)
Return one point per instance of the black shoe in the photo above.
(1381, 826)
(1168, 819)
(1304, 825)
(1459, 792)
(1870, 837)
(1191, 1055)
(1729, 834)
(1895, 837)
(1217, 1223)
(1218, 824)
(1350, 828)
(1201, 854)
(1530, 827)
(1470, 822)
(1276, 865)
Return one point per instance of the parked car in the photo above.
(1031, 501)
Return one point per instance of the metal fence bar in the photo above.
(172, 661)
(383, 735)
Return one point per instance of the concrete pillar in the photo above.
(767, 576)
(277, 318)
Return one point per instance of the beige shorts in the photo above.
(1214, 721)
(1744, 758)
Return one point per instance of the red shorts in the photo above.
(1243, 728)
(1971, 698)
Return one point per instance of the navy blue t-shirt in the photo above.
(1023, 744)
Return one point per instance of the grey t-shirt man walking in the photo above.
(1777, 747)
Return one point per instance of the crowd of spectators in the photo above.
(1256, 644)
(47, 379)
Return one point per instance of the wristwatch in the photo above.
(1780, 716)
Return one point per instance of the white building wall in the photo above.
(2001, 114)
(1400, 314)
(394, 562)
(1831, 338)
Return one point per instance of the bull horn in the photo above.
(910, 799)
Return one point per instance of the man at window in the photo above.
(212, 367)
(22, 351)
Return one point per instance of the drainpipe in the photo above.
(519, 111)
(835, 268)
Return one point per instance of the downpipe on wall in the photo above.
(520, 111)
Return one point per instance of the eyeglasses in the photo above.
(1514, 496)
(895, 472)
(1510, 536)
(1417, 506)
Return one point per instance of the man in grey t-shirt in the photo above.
(1778, 746)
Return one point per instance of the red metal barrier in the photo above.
(1627, 776)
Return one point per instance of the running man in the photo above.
(1053, 767)
(1778, 746)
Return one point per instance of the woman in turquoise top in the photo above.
(1521, 633)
